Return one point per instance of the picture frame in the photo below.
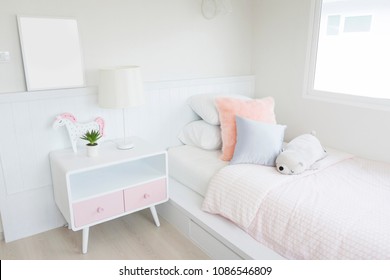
(51, 53)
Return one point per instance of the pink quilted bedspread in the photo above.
(341, 210)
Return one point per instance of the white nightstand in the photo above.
(93, 190)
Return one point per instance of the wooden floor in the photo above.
(133, 237)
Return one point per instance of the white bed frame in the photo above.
(218, 237)
(215, 235)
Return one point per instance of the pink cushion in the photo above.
(228, 108)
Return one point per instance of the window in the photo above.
(350, 51)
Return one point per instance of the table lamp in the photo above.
(121, 88)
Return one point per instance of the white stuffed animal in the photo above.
(300, 154)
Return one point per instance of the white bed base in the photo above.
(216, 236)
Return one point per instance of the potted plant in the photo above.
(92, 145)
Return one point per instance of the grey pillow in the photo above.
(257, 142)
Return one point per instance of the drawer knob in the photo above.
(100, 209)
(146, 195)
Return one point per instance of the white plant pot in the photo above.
(93, 151)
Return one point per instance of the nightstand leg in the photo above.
(155, 217)
(85, 239)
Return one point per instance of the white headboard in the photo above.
(167, 110)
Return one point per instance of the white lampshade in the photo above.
(120, 87)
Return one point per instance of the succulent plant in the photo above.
(91, 136)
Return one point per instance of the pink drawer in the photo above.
(99, 208)
(144, 195)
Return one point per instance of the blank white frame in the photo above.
(51, 53)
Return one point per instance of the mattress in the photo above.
(194, 167)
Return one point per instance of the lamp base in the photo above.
(125, 146)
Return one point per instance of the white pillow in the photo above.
(201, 134)
(204, 106)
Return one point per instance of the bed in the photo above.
(340, 210)
(233, 209)
(190, 171)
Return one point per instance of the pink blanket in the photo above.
(340, 210)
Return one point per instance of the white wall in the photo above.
(26, 194)
(169, 39)
(281, 34)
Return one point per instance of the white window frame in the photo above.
(311, 58)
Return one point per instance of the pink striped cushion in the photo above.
(228, 108)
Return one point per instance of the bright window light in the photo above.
(351, 52)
